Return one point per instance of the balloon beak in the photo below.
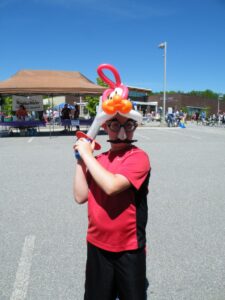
(122, 134)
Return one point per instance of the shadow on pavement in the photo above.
(45, 133)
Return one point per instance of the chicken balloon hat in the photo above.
(115, 98)
(113, 101)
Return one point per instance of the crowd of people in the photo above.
(21, 114)
(173, 118)
(211, 120)
(64, 116)
(68, 113)
(178, 117)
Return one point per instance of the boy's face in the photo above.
(120, 130)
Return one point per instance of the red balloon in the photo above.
(111, 84)
(105, 78)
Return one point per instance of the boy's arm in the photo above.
(80, 186)
(110, 183)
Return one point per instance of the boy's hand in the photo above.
(84, 147)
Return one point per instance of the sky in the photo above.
(79, 35)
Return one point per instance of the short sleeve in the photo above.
(135, 167)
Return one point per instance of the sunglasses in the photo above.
(115, 126)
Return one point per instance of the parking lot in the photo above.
(42, 229)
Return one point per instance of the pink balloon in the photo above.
(125, 91)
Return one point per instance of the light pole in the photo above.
(164, 46)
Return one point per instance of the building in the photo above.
(189, 103)
(138, 96)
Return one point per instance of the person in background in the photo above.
(40, 115)
(76, 114)
(66, 116)
(2, 116)
(21, 112)
(76, 111)
(49, 114)
(56, 116)
(197, 117)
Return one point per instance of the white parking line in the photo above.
(23, 271)
(30, 140)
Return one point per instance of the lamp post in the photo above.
(164, 46)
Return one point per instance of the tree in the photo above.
(206, 94)
(93, 101)
(91, 105)
(101, 82)
(7, 106)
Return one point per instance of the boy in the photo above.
(115, 183)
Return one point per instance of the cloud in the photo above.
(128, 9)
(137, 9)
(5, 3)
(68, 3)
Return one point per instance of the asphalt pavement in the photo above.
(42, 229)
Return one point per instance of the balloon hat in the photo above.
(113, 101)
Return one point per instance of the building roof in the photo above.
(45, 82)
(139, 89)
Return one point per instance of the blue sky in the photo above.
(79, 35)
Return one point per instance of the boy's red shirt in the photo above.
(117, 223)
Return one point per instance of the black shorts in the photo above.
(110, 274)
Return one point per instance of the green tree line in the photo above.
(206, 94)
